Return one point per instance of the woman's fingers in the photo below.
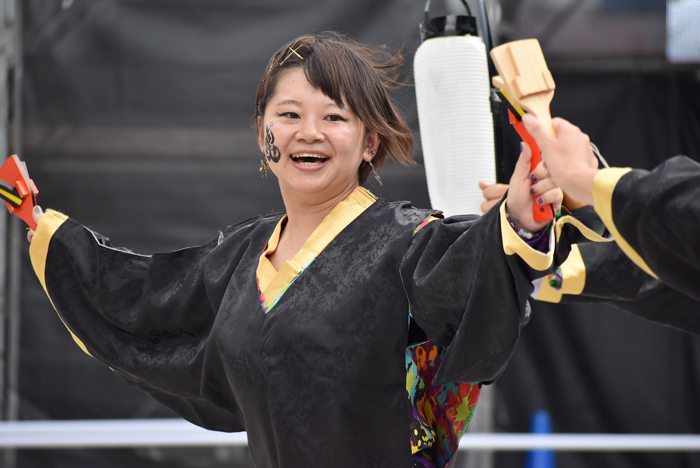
(545, 188)
(540, 172)
(519, 202)
(493, 191)
(542, 186)
(488, 204)
(37, 214)
(568, 156)
(551, 196)
(522, 167)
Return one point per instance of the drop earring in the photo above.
(264, 167)
(376, 176)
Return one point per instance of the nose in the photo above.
(309, 131)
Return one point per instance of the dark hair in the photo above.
(350, 73)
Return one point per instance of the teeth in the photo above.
(308, 155)
(309, 159)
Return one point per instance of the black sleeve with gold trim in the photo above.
(145, 316)
(469, 297)
(655, 218)
(603, 273)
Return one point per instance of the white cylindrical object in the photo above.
(456, 124)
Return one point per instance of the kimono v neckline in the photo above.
(272, 283)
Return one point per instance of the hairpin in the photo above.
(293, 51)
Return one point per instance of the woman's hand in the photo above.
(492, 193)
(523, 185)
(568, 157)
(37, 214)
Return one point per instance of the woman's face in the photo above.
(313, 146)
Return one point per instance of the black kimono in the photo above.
(321, 378)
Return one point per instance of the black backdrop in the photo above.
(137, 123)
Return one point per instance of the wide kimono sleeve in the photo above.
(147, 317)
(653, 217)
(468, 279)
(603, 273)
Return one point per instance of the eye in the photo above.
(289, 115)
(336, 118)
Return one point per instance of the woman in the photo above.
(349, 331)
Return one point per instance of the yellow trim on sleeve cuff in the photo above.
(514, 244)
(39, 250)
(573, 272)
(604, 185)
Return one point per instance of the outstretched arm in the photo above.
(653, 216)
(148, 317)
(601, 272)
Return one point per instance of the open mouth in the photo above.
(308, 159)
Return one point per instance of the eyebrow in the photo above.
(288, 101)
(297, 103)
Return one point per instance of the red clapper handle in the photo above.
(541, 213)
(18, 190)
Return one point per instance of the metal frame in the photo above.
(10, 232)
(125, 433)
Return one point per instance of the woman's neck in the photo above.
(304, 214)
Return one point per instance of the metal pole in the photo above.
(3, 218)
(10, 230)
(482, 423)
(126, 433)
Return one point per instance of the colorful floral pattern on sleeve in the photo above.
(441, 414)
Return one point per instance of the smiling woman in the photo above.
(355, 78)
(346, 331)
(313, 145)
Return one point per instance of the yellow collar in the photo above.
(273, 283)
